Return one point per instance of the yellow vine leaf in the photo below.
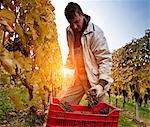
(35, 77)
(29, 19)
(17, 101)
(34, 33)
(32, 2)
(23, 3)
(7, 15)
(19, 30)
(7, 64)
(4, 78)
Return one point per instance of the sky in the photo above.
(120, 20)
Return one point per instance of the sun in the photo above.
(68, 72)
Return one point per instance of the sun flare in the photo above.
(68, 72)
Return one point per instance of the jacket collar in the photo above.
(89, 29)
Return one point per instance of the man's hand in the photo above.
(98, 89)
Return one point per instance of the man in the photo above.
(88, 55)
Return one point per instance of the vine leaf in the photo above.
(8, 16)
(17, 101)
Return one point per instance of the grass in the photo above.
(5, 105)
(16, 113)
(127, 115)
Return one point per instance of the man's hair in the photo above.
(71, 9)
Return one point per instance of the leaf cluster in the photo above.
(131, 65)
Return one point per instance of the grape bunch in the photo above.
(92, 98)
(13, 46)
(16, 45)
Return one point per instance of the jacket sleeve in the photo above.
(103, 56)
(69, 62)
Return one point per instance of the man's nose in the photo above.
(74, 26)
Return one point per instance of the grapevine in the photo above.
(29, 51)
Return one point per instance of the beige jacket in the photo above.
(96, 55)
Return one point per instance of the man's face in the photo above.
(76, 23)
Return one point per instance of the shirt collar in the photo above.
(89, 29)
